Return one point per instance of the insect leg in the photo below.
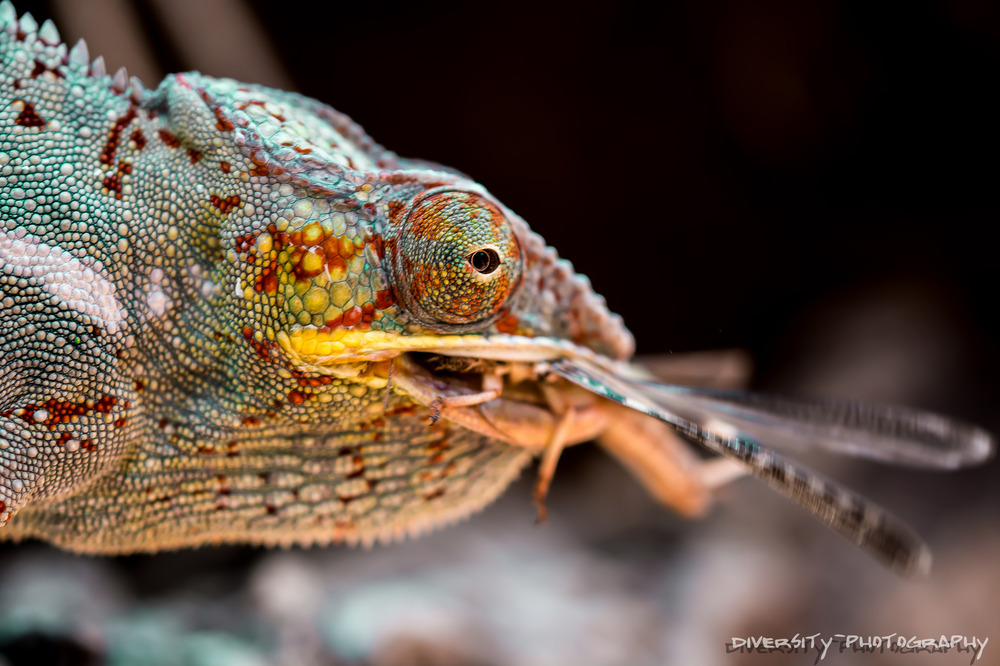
(553, 449)
(658, 458)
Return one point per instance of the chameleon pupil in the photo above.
(485, 261)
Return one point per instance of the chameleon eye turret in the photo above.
(456, 261)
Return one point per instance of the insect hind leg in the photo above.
(661, 460)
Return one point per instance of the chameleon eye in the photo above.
(456, 260)
(485, 261)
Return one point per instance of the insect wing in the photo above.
(867, 525)
(887, 433)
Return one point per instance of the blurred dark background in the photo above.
(815, 183)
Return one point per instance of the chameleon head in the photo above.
(354, 254)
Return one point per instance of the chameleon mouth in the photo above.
(509, 401)
(330, 348)
(495, 385)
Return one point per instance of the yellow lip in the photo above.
(351, 346)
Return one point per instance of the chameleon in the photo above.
(230, 316)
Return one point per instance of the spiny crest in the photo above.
(26, 29)
(46, 42)
(80, 55)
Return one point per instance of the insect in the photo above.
(230, 316)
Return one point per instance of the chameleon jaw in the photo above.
(329, 348)
(508, 414)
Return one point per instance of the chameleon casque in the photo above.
(228, 315)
